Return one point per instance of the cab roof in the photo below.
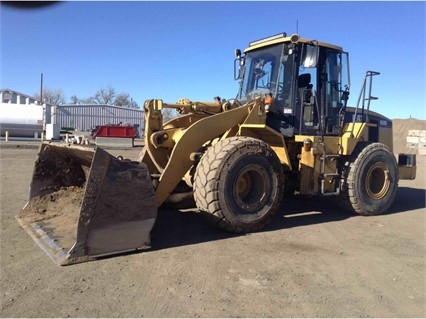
(283, 38)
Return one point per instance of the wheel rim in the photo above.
(251, 188)
(377, 181)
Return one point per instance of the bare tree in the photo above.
(169, 114)
(90, 100)
(105, 95)
(122, 99)
(108, 96)
(74, 99)
(133, 104)
(55, 97)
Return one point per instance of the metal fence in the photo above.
(86, 117)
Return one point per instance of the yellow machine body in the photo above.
(229, 159)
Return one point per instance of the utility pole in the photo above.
(41, 89)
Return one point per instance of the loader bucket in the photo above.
(85, 203)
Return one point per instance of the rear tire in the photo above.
(372, 180)
(239, 184)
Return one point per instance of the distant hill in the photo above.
(400, 132)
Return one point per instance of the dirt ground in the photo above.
(311, 261)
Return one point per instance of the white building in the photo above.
(22, 115)
(14, 97)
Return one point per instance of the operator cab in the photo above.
(307, 80)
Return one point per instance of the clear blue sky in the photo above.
(171, 50)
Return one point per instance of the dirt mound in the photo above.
(66, 201)
(400, 133)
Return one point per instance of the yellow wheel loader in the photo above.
(288, 131)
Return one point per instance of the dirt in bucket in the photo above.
(65, 201)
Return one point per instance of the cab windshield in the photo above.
(266, 71)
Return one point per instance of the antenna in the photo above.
(297, 26)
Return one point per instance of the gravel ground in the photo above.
(311, 261)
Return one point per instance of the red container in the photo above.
(115, 131)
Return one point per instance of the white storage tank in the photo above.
(21, 120)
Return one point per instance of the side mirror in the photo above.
(310, 58)
(239, 67)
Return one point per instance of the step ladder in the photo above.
(323, 175)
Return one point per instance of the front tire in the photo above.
(372, 181)
(239, 184)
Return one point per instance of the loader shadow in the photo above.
(296, 211)
(408, 199)
(302, 211)
(174, 228)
